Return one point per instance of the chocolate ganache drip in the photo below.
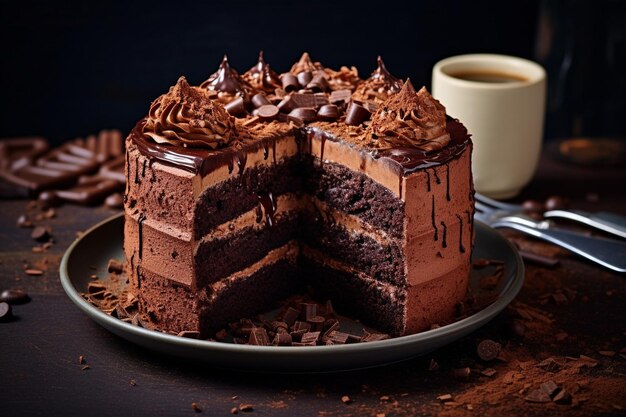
(186, 116)
(226, 80)
(409, 120)
(262, 77)
(378, 86)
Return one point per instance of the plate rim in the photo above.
(478, 319)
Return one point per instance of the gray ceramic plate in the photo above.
(104, 241)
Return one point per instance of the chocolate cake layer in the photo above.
(247, 297)
(353, 293)
(216, 259)
(354, 193)
(237, 195)
(383, 261)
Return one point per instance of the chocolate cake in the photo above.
(251, 187)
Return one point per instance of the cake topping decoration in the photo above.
(186, 116)
(409, 119)
(225, 79)
(379, 85)
(262, 77)
(305, 64)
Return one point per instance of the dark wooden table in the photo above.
(40, 349)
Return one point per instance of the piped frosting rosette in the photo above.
(410, 120)
(186, 116)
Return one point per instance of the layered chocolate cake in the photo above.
(251, 187)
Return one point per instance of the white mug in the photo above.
(501, 101)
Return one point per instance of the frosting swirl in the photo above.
(378, 86)
(186, 116)
(410, 119)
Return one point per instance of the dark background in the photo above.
(74, 68)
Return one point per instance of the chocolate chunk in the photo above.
(40, 234)
(33, 272)
(338, 338)
(537, 396)
(318, 83)
(114, 169)
(317, 323)
(556, 203)
(115, 201)
(549, 388)
(488, 350)
(340, 96)
(329, 311)
(308, 310)
(304, 114)
(267, 112)
(462, 374)
(290, 316)
(24, 222)
(309, 337)
(296, 335)
(14, 296)
(89, 191)
(305, 100)
(259, 337)
(356, 114)
(301, 325)
(259, 100)
(328, 112)
(433, 365)
(290, 82)
(374, 337)
(277, 325)
(282, 339)
(115, 266)
(562, 397)
(236, 107)
(18, 152)
(6, 313)
(304, 78)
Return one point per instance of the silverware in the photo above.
(607, 222)
(609, 253)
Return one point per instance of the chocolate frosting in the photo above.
(409, 119)
(262, 77)
(186, 116)
(225, 80)
(378, 86)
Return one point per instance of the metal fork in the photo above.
(607, 222)
(609, 253)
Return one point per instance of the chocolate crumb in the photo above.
(24, 222)
(115, 266)
(433, 365)
(445, 398)
(234, 410)
(86, 367)
(33, 272)
(195, 407)
(562, 397)
(133, 383)
(40, 234)
(488, 372)
(384, 398)
(346, 400)
(81, 360)
(549, 388)
(246, 407)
